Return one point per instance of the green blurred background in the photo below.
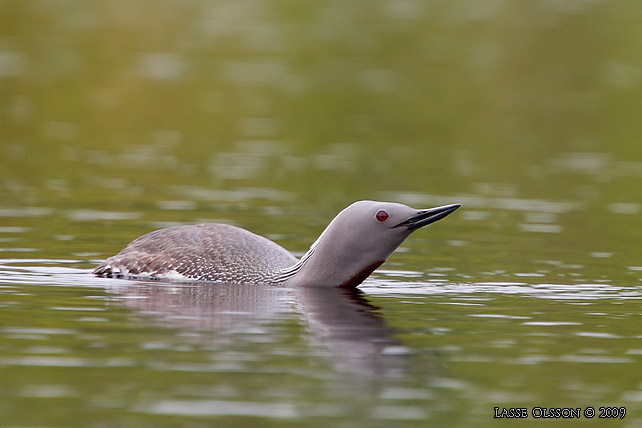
(300, 108)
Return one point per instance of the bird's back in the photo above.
(207, 252)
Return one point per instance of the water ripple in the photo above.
(219, 408)
(384, 286)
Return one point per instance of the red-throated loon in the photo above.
(357, 241)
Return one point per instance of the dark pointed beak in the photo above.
(425, 217)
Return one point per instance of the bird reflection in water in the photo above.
(342, 323)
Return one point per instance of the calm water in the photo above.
(117, 119)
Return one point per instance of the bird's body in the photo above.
(207, 252)
(354, 244)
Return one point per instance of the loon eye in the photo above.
(382, 215)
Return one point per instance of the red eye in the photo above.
(382, 215)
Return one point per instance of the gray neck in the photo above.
(327, 267)
(336, 259)
(290, 274)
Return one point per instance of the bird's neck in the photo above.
(321, 268)
(290, 274)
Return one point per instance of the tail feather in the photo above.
(106, 270)
(135, 264)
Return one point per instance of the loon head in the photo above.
(358, 240)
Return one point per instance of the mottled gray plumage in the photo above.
(355, 243)
(208, 252)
